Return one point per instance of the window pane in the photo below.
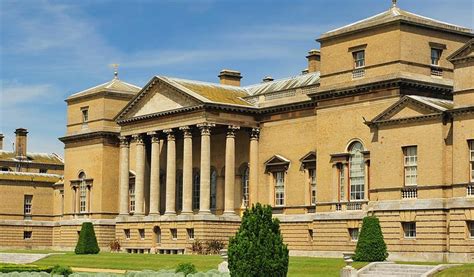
(196, 191)
(356, 172)
(213, 189)
(411, 168)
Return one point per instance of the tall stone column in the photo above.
(170, 174)
(205, 191)
(229, 181)
(140, 175)
(187, 170)
(155, 174)
(253, 166)
(124, 175)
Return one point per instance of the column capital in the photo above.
(155, 136)
(138, 138)
(186, 131)
(124, 141)
(205, 128)
(169, 133)
(255, 133)
(231, 129)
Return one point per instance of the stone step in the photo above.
(403, 267)
(388, 275)
(389, 271)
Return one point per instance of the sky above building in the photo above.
(52, 49)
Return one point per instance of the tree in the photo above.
(87, 243)
(257, 249)
(370, 246)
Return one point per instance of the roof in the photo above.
(40, 158)
(115, 85)
(307, 79)
(396, 14)
(211, 92)
(30, 177)
(438, 104)
(466, 51)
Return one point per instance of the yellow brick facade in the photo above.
(134, 160)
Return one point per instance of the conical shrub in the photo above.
(370, 246)
(87, 243)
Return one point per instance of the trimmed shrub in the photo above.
(7, 268)
(61, 270)
(258, 249)
(186, 268)
(87, 243)
(370, 246)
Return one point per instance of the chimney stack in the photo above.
(314, 60)
(268, 79)
(1, 141)
(230, 77)
(20, 143)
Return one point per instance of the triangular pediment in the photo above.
(277, 160)
(157, 97)
(465, 52)
(412, 107)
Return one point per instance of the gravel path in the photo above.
(20, 258)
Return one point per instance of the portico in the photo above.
(196, 159)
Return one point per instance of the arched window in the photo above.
(157, 231)
(82, 192)
(196, 190)
(245, 187)
(356, 171)
(213, 193)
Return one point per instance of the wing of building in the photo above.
(380, 123)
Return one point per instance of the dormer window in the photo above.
(359, 59)
(435, 56)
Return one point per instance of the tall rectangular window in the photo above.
(470, 227)
(359, 58)
(141, 233)
(409, 229)
(28, 204)
(410, 164)
(190, 232)
(354, 233)
(174, 234)
(342, 182)
(85, 115)
(83, 196)
(126, 233)
(312, 183)
(131, 198)
(471, 158)
(279, 188)
(435, 56)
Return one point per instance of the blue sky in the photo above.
(51, 49)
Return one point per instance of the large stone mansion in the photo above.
(380, 123)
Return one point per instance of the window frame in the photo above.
(410, 165)
(245, 186)
(27, 204)
(356, 176)
(85, 115)
(354, 233)
(342, 182)
(470, 229)
(131, 197)
(213, 189)
(312, 175)
(358, 61)
(127, 234)
(174, 233)
(279, 188)
(141, 233)
(179, 190)
(196, 201)
(27, 235)
(434, 60)
(471, 160)
(409, 229)
(190, 233)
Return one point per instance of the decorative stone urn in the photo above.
(224, 266)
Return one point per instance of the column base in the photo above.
(138, 214)
(204, 212)
(154, 214)
(170, 213)
(229, 213)
(186, 213)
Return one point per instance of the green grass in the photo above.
(299, 266)
(465, 270)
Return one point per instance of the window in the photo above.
(356, 171)
(174, 234)
(196, 190)
(131, 197)
(245, 187)
(179, 190)
(342, 182)
(279, 188)
(27, 235)
(409, 229)
(5, 169)
(470, 227)
(82, 192)
(126, 233)
(310, 234)
(157, 231)
(312, 184)
(435, 56)
(359, 58)
(43, 170)
(471, 158)
(190, 232)
(213, 189)
(28, 204)
(354, 233)
(85, 115)
(410, 163)
(141, 233)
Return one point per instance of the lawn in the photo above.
(299, 266)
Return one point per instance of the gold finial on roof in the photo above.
(115, 66)
(394, 3)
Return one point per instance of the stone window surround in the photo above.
(75, 187)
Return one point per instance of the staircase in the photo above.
(394, 270)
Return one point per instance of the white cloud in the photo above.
(14, 93)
